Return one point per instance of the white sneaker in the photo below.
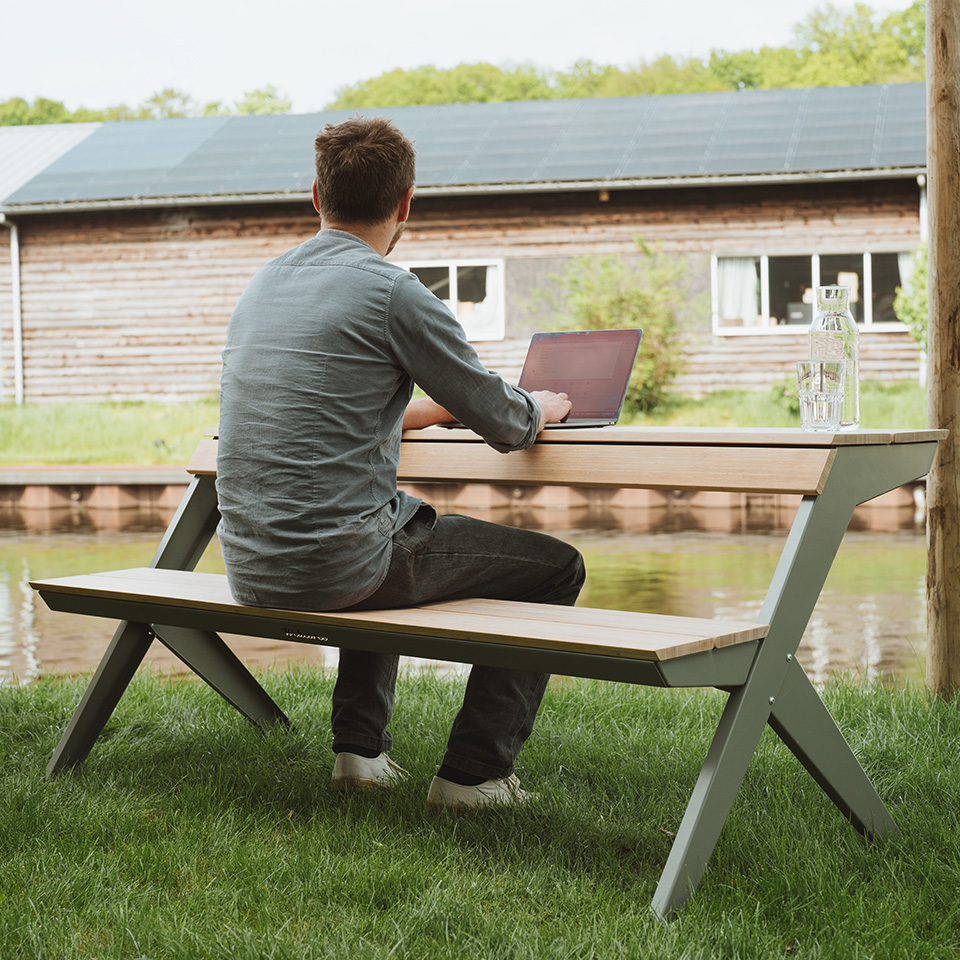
(506, 791)
(353, 772)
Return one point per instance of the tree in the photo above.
(465, 83)
(833, 47)
(861, 46)
(262, 100)
(16, 111)
(763, 69)
(609, 293)
(170, 102)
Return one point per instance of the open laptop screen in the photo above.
(591, 366)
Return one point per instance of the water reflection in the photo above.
(675, 559)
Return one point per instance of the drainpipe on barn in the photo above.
(17, 297)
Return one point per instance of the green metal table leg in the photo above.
(733, 747)
(858, 474)
(804, 724)
(804, 563)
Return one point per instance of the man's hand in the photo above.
(554, 407)
(424, 413)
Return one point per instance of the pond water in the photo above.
(870, 620)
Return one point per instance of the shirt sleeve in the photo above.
(432, 347)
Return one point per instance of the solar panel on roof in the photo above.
(677, 135)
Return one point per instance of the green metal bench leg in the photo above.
(120, 662)
(182, 545)
(213, 661)
(804, 724)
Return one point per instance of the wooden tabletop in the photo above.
(736, 436)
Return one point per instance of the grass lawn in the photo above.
(881, 407)
(121, 433)
(159, 433)
(189, 834)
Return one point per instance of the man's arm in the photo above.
(424, 413)
(431, 346)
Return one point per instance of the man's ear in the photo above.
(403, 213)
(316, 197)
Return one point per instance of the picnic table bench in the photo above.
(753, 662)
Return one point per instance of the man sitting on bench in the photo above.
(321, 355)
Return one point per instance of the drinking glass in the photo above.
(820, 387)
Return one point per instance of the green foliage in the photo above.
(609, 293)
(464, 83)
(783, 395)
(16, 112)
(168, 102)
(910, 303)
(263, 100)
(833, 46)
(860, 46)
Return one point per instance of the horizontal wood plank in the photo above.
(666, 458)
(614, 633)
(668, 467)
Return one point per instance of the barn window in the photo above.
(757, 293)
(472, 289)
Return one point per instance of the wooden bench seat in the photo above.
(454, 630)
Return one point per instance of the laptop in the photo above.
(592, 367)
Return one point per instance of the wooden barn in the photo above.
(130, 242)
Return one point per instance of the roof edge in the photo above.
(478, 189)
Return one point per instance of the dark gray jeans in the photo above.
(449, 558)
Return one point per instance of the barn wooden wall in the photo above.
(777, 220)
(134, 304)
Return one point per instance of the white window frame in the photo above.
(498, 330)
(764, 326)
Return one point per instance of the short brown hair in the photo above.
(364, 167)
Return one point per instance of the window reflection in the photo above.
(472, 291)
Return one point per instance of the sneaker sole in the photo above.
(360, 783)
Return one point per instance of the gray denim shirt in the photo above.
(322, 352)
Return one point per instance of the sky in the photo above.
(100, 53)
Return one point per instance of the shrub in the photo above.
(910, 303)
(609, 293)
(783, 395)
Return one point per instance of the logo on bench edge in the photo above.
(300, 635)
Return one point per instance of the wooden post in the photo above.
(943, 486)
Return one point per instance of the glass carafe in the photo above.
(834, 336)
